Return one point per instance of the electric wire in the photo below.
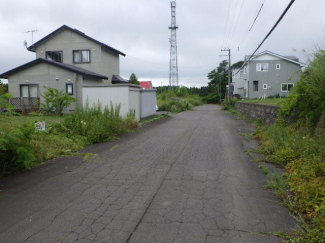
(232, 36)
(256, 17)
(231, 25)
(270, 32)
(248, 29)
(159, 64)
(225, 32)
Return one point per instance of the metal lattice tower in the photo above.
(173, 64)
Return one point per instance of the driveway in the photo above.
(183, 179)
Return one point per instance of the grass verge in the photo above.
(21, 147)
(302, 156)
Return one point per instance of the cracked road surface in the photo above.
(183, 179)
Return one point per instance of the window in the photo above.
(245, 70)
(69, 89)
(264, 86)
(262, 67)
(286, 87)
(28, 90)
(54, 55)
(81, 56)
(241, 74)
(255, 85)
(278, 66)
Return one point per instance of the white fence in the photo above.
(130, 97)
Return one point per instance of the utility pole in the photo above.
(173, 64)
(229, 74)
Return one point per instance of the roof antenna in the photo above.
(25, 44)
(32, 31)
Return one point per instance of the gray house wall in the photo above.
(44, 75)
(102, 60)
(238, 82)
(274, 78)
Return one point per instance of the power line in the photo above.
(241, 8)
(159, 64)
(256, 17)
(223, 42)
(276, 24)
(248, 30)
(231, 24)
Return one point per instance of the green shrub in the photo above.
(56, 100)
(212, 98)
(187, 102)
(4, 101)
(16, 152)
(306, 101)
(229, 105)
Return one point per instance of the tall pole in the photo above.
(173, 63)
(32, 31)
(229, 74)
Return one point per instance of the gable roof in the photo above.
(145, 84)
(292, 59)
(65, 27)
(57, 64)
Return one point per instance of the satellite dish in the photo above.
(25, 43)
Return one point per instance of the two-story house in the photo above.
(268, 74)
(238, 81)
(87, 69)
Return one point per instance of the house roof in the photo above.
(65, 27)
(57, 64)
(145, 84)
(119, 80)
(293, 59)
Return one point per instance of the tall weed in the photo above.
(16, 151)
(95, 123)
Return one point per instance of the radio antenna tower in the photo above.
(173, 65)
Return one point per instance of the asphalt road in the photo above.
(183, 179)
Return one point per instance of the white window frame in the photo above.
(259, 67)
(278, 66)
(287, 86)
(241, 74)
(245, 70)
(264, 86)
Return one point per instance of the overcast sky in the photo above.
(140, 30)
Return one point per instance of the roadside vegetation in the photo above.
(177, 100)
(297, 144)
(24, 147)
(268, 101)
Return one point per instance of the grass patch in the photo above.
(152, 119)
(21, 147)
(270, 101)
(303, 158)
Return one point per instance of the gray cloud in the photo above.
(140, 29)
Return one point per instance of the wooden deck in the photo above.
(23, 104)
